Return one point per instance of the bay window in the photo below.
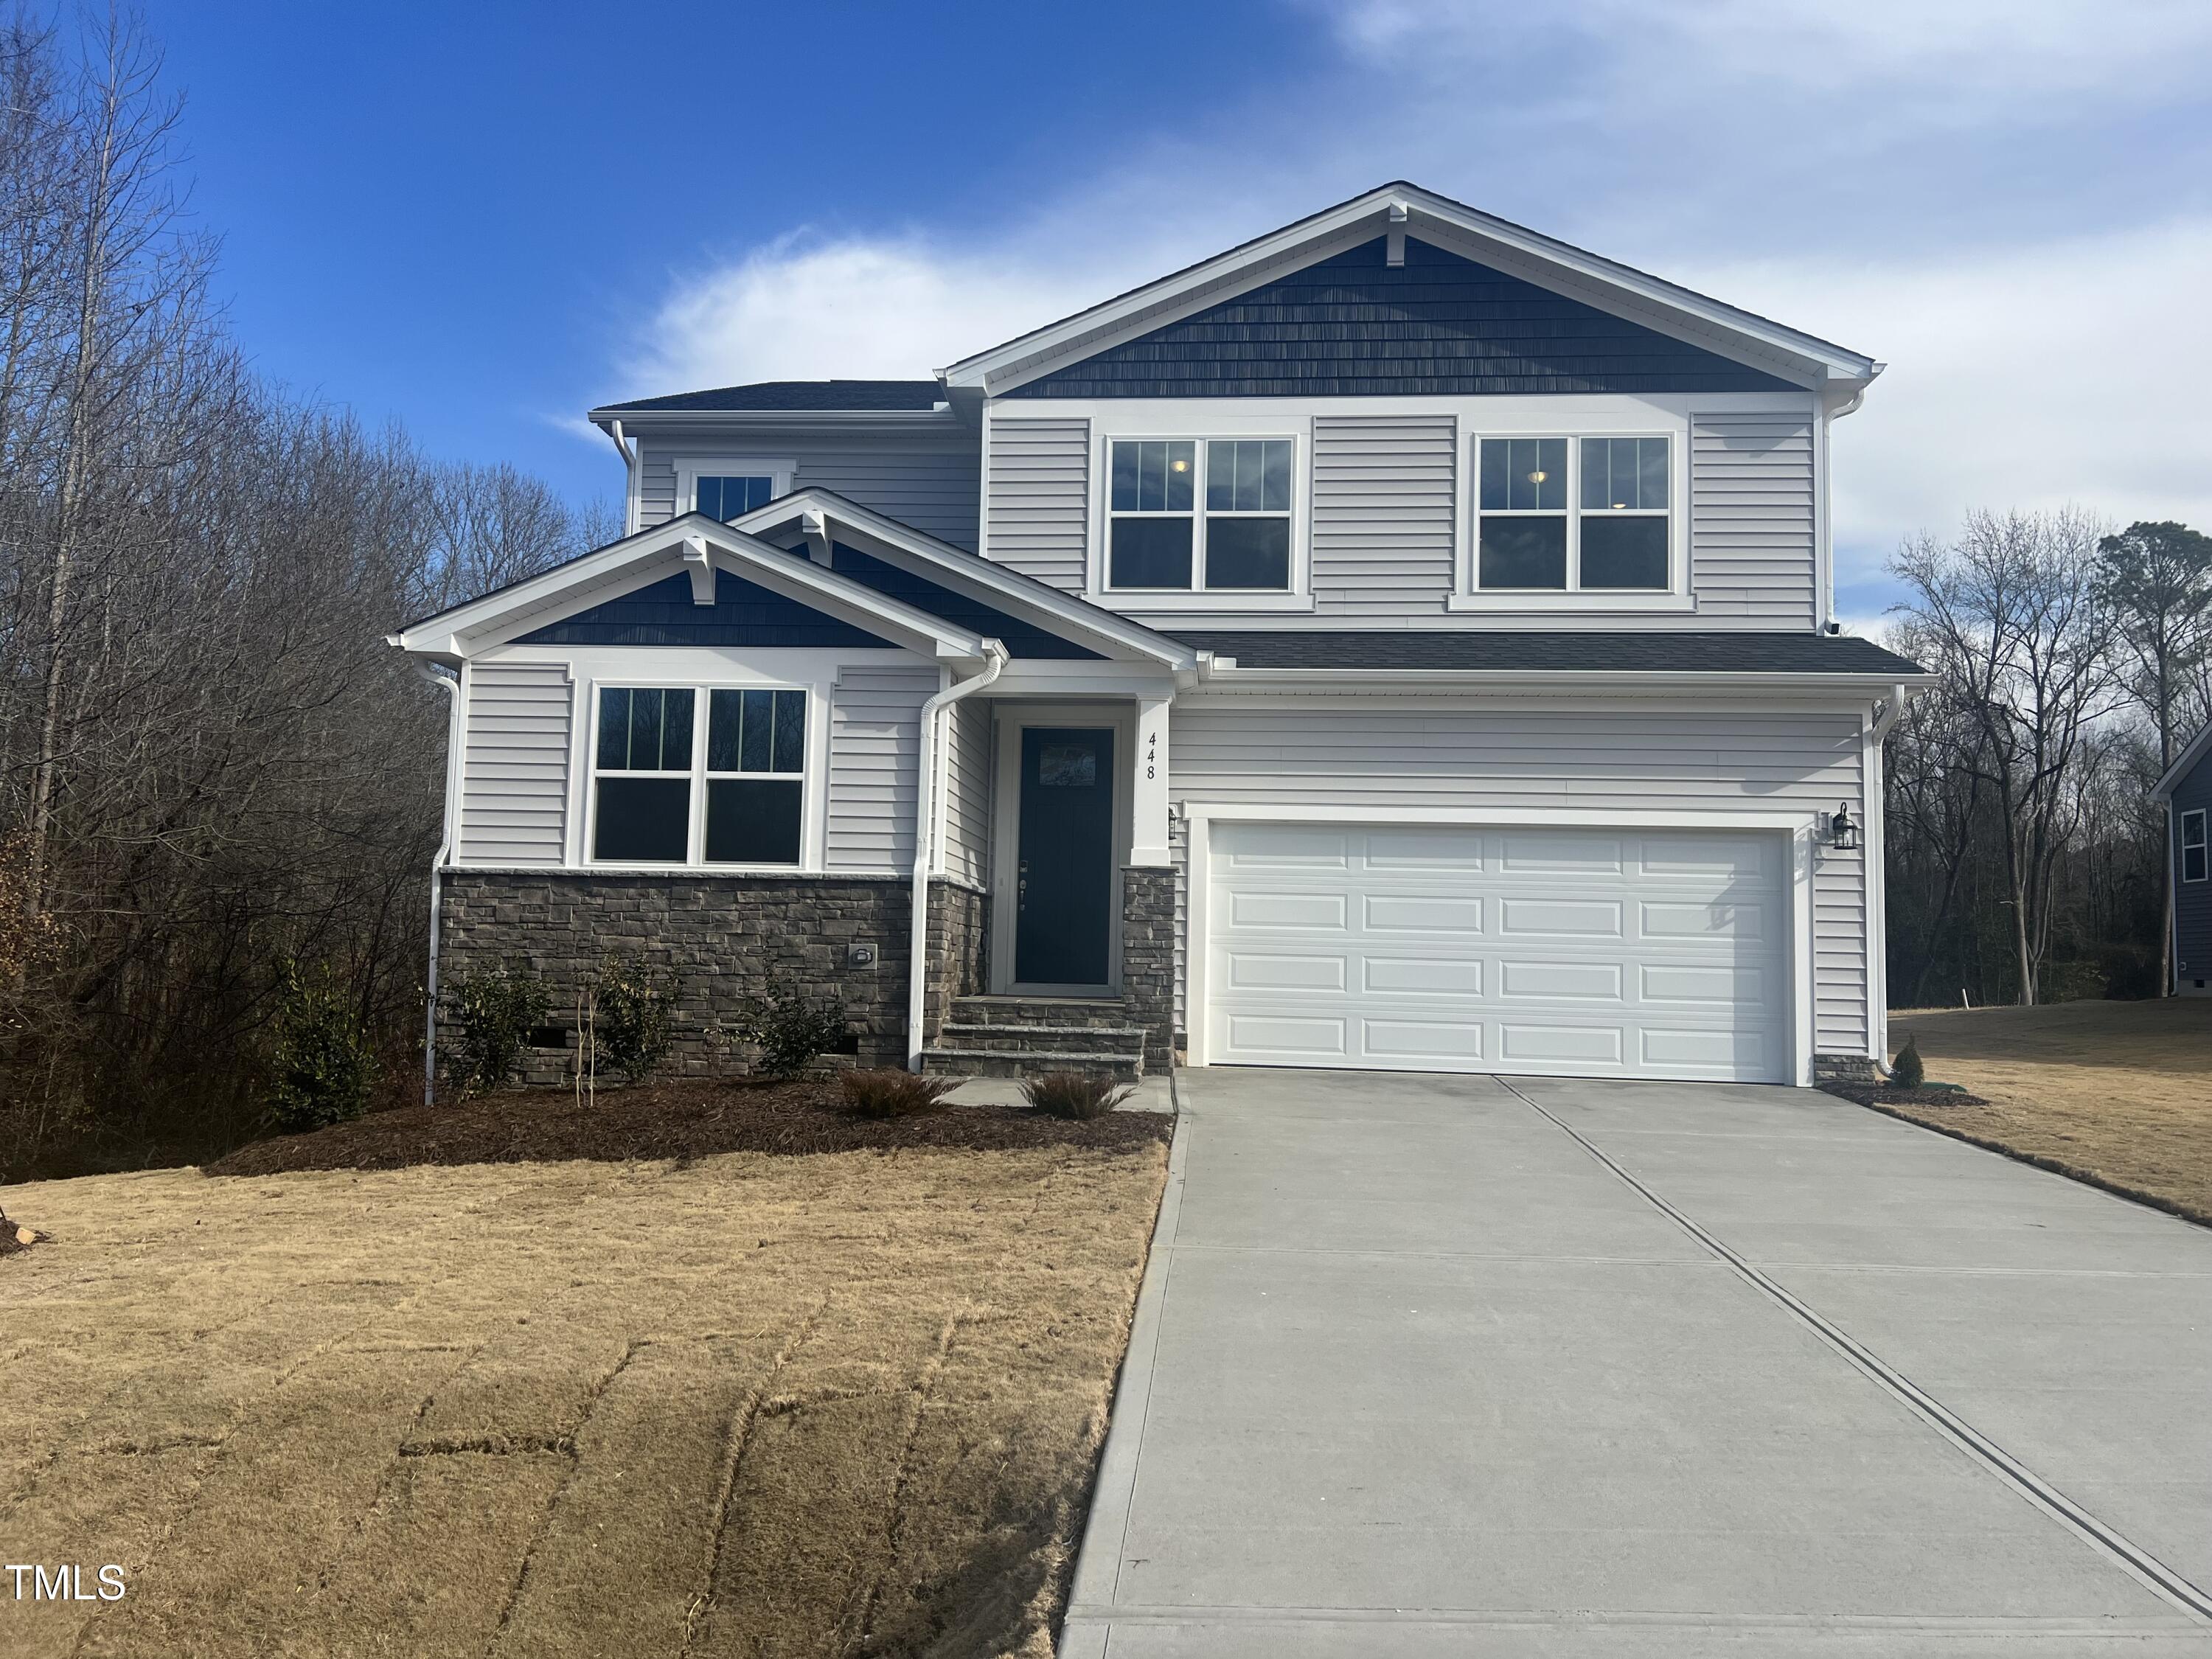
(1207, 517)
(662, 787)
(1561, 515)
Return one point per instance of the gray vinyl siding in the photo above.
(1362, 759)
(875, 734)
(2192, 900)
(928, 480)
(1039, 486)
(1752, 520)
(968, 793)
(1384, 505)
(515, 765)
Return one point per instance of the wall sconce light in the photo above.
(1843, 834)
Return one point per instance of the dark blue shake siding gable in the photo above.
(1021, 638)
(1439, 325)
(744, 613)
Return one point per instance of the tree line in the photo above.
(2027, 860)
(211, 766)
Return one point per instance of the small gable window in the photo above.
(733, 497)
(2193, 849)
(665, 792)
(1199, 517)
(1567, 516)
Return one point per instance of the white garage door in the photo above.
(1580, 952)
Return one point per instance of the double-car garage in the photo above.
(1579, 951)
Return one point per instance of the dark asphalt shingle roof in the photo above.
(865, 395)
(1652, 652)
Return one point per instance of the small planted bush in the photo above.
(789, 1030)
(1070, 1094)
(634, 1016)
(322, 1070)
(883, 1093)
(1907, 1070)
(493, 1015)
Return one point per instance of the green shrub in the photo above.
(634, 1017)
(322, 1069)
(1071, 1094)
(789, 1030)
(493, 1015)
(1906, 1071)
(884, 1092)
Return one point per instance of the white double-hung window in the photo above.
(2193, 849)
(1574, 515)
(664, 791)
(1185, 515)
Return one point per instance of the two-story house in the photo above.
(1403, 641)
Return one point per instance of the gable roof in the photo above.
(1401, 209)
(1435, 323)
(857, 395)
(844, 521)
(2184, 764)
(701, 548)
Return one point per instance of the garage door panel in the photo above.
(1559, 918)
(1420, 1039)
(1422, 975)
(1277, 910)
(1586, 953)
(1422, 912)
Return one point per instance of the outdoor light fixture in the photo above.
(1843, 834)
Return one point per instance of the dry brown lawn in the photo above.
(2121, 1091)
(751, 1405)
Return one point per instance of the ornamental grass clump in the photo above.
(1071, 1094)
(882, 1092)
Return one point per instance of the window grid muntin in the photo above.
(711, 494)
(2195, 820)
(1132, 481)
(699, 775)
(1571, 512)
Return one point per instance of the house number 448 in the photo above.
(1152, 754)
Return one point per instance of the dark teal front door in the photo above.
(1064, 894)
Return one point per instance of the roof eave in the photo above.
(2184, 764)
(1230, 670)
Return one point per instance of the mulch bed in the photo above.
(1869, 1094)
(673, 1119)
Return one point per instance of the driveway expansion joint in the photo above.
(2131, 1557)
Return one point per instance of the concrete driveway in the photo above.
(1431, 1365)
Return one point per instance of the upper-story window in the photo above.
(727, 497)
(665, 792)
(1574, 516)
(1205, 517)
(2193, 849)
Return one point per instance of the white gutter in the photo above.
(451, 683)
(924, 817)
(1227, 671)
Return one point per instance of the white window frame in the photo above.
(1167, 601)
(689, 469)
(809, 776)
(1473, 595)
(2199, 846)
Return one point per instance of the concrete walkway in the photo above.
(1429, 1365)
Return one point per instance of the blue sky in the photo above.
(481, 219)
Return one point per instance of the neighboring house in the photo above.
(1401, 641)
(2187, 789)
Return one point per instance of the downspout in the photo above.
(629, 452)
(925, 818)
(1877, 878)
(451, 683)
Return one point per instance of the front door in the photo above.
(1064, 896)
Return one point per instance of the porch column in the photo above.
(1148, 793)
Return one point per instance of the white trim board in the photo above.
(1802, 829)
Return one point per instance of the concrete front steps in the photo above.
(1027, 1036)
